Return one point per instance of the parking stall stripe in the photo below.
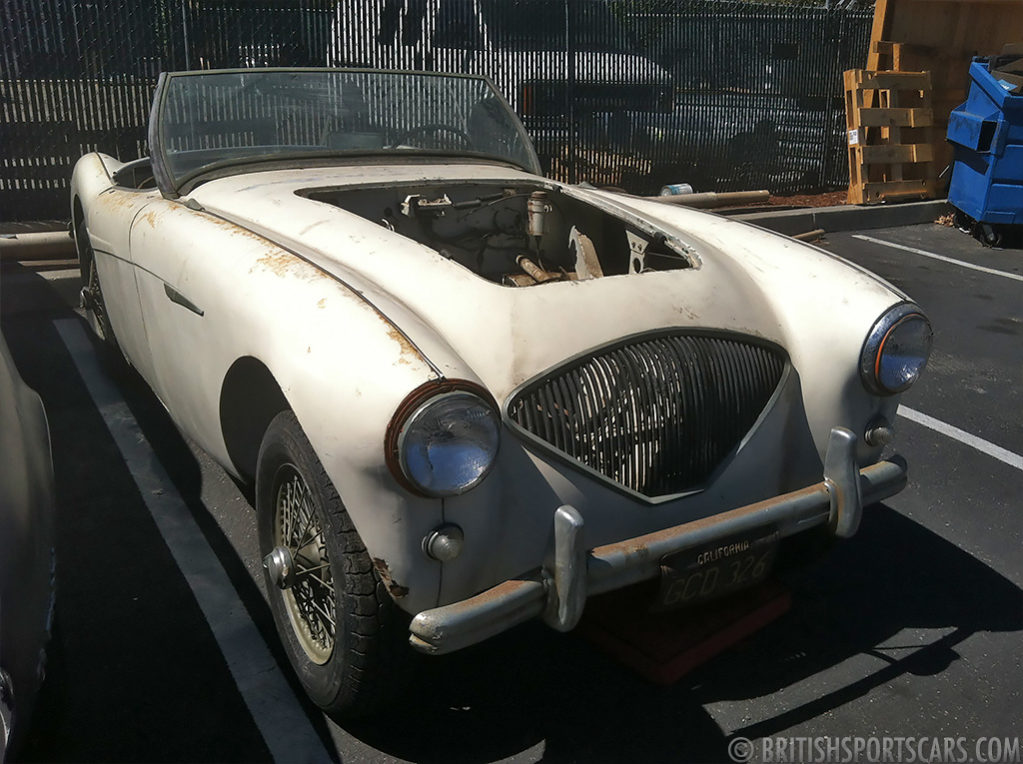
(284, 725)
(984, 446)
(943, 258)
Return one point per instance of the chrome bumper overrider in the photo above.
(559, 594)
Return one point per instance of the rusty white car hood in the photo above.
(506, 335)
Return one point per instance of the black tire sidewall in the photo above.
(103, 317)
(283, 444)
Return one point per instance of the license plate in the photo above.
(697, 575)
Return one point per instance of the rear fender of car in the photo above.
(104, 209)
(102, 213)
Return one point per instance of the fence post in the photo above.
(570, 91)
(184, 32)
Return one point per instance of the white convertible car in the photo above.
(467, 396)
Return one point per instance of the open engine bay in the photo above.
(513, 235)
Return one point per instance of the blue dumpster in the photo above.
(987, 133)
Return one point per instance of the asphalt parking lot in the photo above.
(912, 629)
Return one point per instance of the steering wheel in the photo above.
(410, 135)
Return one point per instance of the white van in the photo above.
(519, 44)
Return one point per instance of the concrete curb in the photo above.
(847, 218)
(37, 245)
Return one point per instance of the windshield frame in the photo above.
(172, 188)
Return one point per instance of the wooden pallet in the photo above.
(889, 123)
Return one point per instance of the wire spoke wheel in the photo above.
(344, 636)
(99, 309)
(92, 294)
(311, 600)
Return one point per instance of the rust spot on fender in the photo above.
(408, 351)
(277, 262)
(115, 199)
(281, 263)
(322, 303)
(688, 312)
(149, 218)
(397, 591)
(235, 229)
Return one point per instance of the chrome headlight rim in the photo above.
(415, 405)
(874, 346)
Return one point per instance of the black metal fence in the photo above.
(722, 94)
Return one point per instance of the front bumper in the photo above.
(558, 594)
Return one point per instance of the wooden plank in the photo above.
(944, 64)
(879, 30)
(896, 153)
(963, 27)
(855, 195)
(894, 135)
(903, 189)
(906, 117)
(870, 80)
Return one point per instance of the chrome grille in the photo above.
(657, 414)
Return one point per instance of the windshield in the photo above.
(204, 121)
(540, 25)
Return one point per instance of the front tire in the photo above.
(344, 636)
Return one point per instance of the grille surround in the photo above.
(720, 385)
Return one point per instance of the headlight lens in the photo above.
(447, 444)
(896, 351)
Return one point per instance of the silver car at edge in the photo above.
(27, 562)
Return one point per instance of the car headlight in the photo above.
(896, 350)
(443, 439)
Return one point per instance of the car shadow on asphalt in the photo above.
(178, 460)
(134, 672)
(532, 686)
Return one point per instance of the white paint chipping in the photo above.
(281, 720)
(984, 446)
(942, 258)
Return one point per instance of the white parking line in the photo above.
(934, 256)
(984, 446)
(281, 720)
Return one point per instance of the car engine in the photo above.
(516, 236)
